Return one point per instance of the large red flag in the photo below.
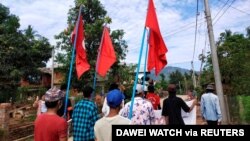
(107, 55)
(82, 64)
(157, 48)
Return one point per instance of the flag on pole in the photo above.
(157, 48)
(107, 55)
(82, 64)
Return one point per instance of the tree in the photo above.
(94, 16)
(162, 84)
(233, 51)
(176, 78)
(22, 52)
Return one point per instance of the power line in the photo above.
(224, 12)
(183, 28)
(242, 11)
(225, 4)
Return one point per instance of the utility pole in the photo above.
(215, 63)
(52, 68)
(193, 75)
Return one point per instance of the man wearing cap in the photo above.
(172, 107)
(85, 114)
(49, 126)
(210, 106)
(103, 127)
(143, 111)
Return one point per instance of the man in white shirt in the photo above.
(103, 127)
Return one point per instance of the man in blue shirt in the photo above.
(210, 106)
(84, 116)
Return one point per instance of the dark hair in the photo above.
(87, 91)
(52, 104)
(209, 91)
(113, 86)
(63, 87)
(151, 88)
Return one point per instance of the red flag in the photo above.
(82, 64)
(107, 55)
(157, 48)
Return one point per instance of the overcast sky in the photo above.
(176, 20)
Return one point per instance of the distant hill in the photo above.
(167, 71)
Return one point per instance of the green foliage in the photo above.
(163, 84)
(22, 52)
(242, 110)
(233, 51)
(94, 16)
(178, 79)
(175, 77)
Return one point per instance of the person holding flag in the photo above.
(157, 48)
(82, 64)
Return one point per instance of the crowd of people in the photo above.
(92, 120)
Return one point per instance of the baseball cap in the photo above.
(139, 88)
(53, 94)
(114, 98)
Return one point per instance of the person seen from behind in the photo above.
(153, 98)
(49, 126)
(172, 107)
(210, 107)
(69, 109)
(105, 107)
(143, 111)
(103, 127)
(85, 114)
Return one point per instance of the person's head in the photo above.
(113, 86)
(53, 98)
(114, 99)
(98, 99)
(87, 91)
(151, 89)
(63, 87)
(172, 89)
(210, 88)
(139, 90)
(43, 98)
(164, 93)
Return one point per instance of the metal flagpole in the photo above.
(145, 63)
(71, 64)
(136, 77)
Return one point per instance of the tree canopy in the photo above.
(94, 16)
(233, 53)
(22, 52)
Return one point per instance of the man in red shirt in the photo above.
(49, 126)
(153, 98)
